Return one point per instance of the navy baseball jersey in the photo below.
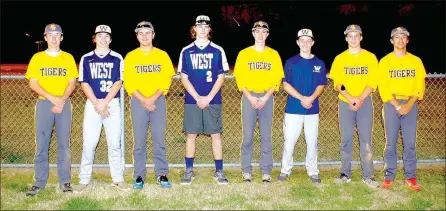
(203, 65)
(305, 75)
(101, 72)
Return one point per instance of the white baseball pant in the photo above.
(91, 132)
(292, 127)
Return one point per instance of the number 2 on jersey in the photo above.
(106, 85)
(209, 76)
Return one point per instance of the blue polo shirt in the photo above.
(305, 75)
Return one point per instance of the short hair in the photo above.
(193, 34)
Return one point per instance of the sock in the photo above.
(218, 165)
(189, 162)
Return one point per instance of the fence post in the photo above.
(122, 99)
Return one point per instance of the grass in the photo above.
(205, 194)
(17, 126)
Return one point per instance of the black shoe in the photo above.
(66, 187)
(139, 183)
(33, 191)
(163, 181)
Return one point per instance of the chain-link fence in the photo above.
(18, 128)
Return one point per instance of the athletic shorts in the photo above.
(202, 121)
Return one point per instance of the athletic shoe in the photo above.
(139, 183)
(387, 184)
(342, 178)
(412, 183)
(33, 191)
(282, 177)
(187, 177)
(266, 178)
(66, 187)
(163, 181)
(315, 179)
(220, 176)
(246, 177)
(79, 188)
(121, 186)
(371, 182)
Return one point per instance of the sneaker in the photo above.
(246, 177)
(139, 183)
(315, 179)
(33, 191)
(387, 184)
(371, 182)
(79, 188)
(121, 186)
(282, 177)
(412, 183)
(342, 178)
(66, 187)
(220, 176)
(163, 181)
(187, 178)
(266, 178)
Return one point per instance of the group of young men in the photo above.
(146, 74)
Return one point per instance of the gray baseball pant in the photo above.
(140, 120)
(249, 118)
(392, 124)
(45, 120)
(347, 121)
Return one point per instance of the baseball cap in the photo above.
(103, 28)
(399, 30)
(305, 32)
(202, 20)
(52, 27)
(144, 24)
(260, 24)
(352, 28)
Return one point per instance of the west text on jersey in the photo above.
(101, 70)
(402, 73)
(53, 71)
(259, 65)
(149, 68)
(356, 70)
(201, 61)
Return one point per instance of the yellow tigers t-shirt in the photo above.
(355, 72)
(52, 72)
(147, 72)
(258, 71)
(403, 76)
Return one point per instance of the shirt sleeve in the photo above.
(83, 76)
(335, 73)
(182, 65)
(129, 75)
(239, 70)
(32, 70)
(168, 73)
(288, 73)
(223, 66)
(278, 74)
(420, 83)
(383, 85)
(72, 68)
(323, 76)
(374, 73)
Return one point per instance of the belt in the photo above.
(401, 97)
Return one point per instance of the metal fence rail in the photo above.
(18, 129)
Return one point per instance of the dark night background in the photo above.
(172, 20)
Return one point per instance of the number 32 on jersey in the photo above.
(106, 85)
